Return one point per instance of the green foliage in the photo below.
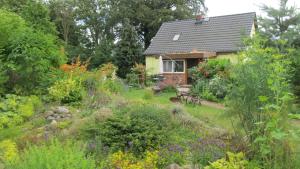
(113, 85)
(129, 161)
(26, 55)
(234, 161)
(14, 110)
(136, 129)
(53, 156)
(205, 150)
(218, 87)
(208, 69)
(148, 95)
(128, 51)
(169, 89)
(147, 16)
(261, 99)
(8, 151)
(211, 79)
(34, 12)
(281, 23)
(66, 90)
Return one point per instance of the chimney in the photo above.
(199, 17)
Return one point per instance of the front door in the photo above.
(189, 64)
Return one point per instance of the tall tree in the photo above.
(93, 19)
(62, 13)
(147, 16)
(34, 12)
(281, 23)
(26, 55)
(129, 49)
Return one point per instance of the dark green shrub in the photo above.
(53, 156)
(26, 56)
(136, 129)
(139, 130)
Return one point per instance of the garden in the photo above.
(61, 109)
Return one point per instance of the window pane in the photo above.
(179, 66)
(167, 64)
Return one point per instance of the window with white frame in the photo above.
(173, 66)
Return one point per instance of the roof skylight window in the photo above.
(176, 37)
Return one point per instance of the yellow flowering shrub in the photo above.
(233, 161)
(128, 161)
(8, 151)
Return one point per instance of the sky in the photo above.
(227, 7)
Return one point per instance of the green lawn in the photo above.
(212, 116)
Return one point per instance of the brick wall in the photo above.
(172, 79)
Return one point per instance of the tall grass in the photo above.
(53, 156)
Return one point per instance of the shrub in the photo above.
(218, 87)
(199, 87)
(260, 98)
(206, 150)
(132, 80)
(8, 151)
(234, 161)
(137, 76)
(169, 89)
(66, 90)
(134, 129)
(129, 161)
(27, 55)
(208, 95)
(53, 156)
(108, 71)
(135, 135)
(113, 85)
(172, 153)
(210, 68)
(14, 109)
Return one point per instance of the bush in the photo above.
(210, 68)
(218, 87)
(8, 151)
(66, 90)
(26, 55)
(53, 156)
(138, 130)
(129, 161)
(132, 79)
(14, 110)
(113, 85)
(207, 150)
(234, 161)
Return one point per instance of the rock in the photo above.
(50, 118)
(173, 166)
(61, 110)
(48, 113)
(53, 122)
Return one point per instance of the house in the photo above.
(180, 45)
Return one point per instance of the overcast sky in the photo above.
(226, 7)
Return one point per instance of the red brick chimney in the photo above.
(199, 17)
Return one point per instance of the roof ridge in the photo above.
(188, 19)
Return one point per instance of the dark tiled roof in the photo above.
(219, 34)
